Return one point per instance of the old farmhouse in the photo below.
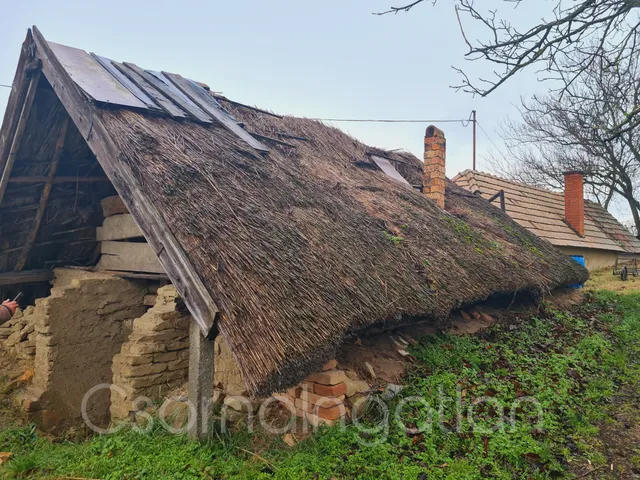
(575, 225)
(282, 237)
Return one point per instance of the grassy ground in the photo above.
(605, 280)
(582, 368)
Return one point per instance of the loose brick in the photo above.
(330, 390)
(330, 365)
(331, 413)
(332, 377)
(315, 399)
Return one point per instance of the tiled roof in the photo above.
(542, 212)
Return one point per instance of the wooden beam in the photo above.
(18, 92)
(44, 197)
(30, 276)
(24, 180)
(17, 137)
(170, 252)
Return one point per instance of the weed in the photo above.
(395, 239)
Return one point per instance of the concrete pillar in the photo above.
(201, 370)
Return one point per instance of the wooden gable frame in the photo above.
(37, 54)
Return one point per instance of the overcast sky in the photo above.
(329, 59)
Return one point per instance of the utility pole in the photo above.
(475, 121)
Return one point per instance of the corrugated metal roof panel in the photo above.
(93, 78)
(389, 169)
(161, 93)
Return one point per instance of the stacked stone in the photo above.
(18, 334)
(155, 357)
(323, 397)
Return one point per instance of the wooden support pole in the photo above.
(201, 368)
(17, 137)
(44, 197)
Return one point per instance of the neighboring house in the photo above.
(575, 225)
(282, 234)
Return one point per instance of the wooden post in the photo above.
(201, 369)
(44, 197)
(17, 136)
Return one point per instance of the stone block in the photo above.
(169, 357)
(355, 386)
(132, 360)
(179, 365)
(331, 377)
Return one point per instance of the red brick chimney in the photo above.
(435, 155)
(574, 200)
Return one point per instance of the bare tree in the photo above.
(591, 30)
(569, 132)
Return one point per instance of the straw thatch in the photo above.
(311, 242)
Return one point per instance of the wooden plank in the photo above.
(201, 97)
(129, 257)
(113, 206)
(129, 85)
(17, 95)
(170, 252)
(29, 276)
(57, 179)
(118, 227)
(147, 88)
(179, 98)
(92, 77)
(17, 137)
(44, 197)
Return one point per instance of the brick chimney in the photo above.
(574, 200)
(435, 155)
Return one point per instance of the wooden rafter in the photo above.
(57, 179)
(17, 136)
(44, 197)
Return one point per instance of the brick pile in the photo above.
(323, 397)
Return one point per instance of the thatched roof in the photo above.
(303, 245)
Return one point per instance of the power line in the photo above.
(5, 86)
(489, 138)
(371, 120)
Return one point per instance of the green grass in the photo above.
(572, 363)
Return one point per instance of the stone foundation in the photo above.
(79, 328)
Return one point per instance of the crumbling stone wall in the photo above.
(79, 328)
(154, 360)
(155, 357)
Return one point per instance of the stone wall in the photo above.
(155, 357)
(79, 328)
(154, 360)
